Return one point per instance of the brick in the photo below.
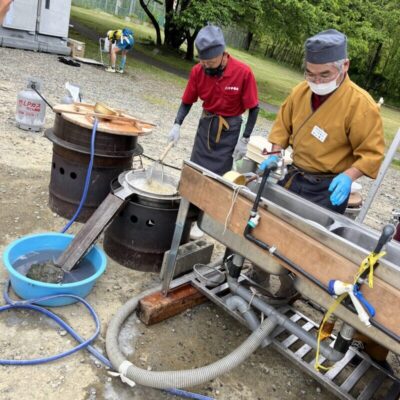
(156, 307)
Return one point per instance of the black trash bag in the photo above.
(69, 61)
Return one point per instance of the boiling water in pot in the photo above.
(155, 186)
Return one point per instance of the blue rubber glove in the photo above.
(268, 161)
(340, 186)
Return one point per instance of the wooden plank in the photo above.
(90, 232)
(90, 61)
(82, 114)
(323, 263)
(156, 307)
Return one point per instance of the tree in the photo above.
(152, 19)
(184, 19)
(249, 16)
(280, 27)
(284, 26)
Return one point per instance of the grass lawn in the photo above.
(145, 36)
(274, 80)
(391, 122)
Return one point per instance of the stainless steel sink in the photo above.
(366, 241)
(343, 235)
(336, 231)
(355, 236)
(296, 207)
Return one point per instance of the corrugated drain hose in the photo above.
(183, 378)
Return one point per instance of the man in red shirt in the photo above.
(227, 88)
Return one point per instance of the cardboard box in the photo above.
(256, 146)
(77, 48)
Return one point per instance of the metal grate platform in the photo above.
(360, 380)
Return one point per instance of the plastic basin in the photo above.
(30, 289)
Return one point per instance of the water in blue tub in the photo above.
(83, 270)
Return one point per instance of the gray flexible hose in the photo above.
(183, 378)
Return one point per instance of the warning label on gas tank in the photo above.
(29, 105)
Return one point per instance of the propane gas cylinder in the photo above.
(31, 109)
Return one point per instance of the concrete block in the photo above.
(196, 252)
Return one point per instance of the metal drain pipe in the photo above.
(328, 352)
(238, 303)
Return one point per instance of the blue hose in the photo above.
(30, 304)
(188, 395)
(87, 179)
(83, 343)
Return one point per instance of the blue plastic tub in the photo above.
(30, 289)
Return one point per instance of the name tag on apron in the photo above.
(319, 134)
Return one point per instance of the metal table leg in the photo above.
(176, 240)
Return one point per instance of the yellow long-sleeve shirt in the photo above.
(351, 121)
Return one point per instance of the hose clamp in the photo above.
(123, 370)
(272, 250)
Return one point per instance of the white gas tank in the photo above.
(31, 109)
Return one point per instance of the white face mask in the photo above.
(323, 88)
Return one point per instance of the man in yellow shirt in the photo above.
(333, 126)
(335, 130)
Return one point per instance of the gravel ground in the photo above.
(194, 338)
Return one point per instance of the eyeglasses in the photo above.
(325, 77)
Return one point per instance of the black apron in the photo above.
(312, 187)
(213, 149)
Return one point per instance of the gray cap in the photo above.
(210, 42)
(325, 47)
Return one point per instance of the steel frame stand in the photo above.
(363, 380)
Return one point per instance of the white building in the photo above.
(39, 25)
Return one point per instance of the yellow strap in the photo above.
(330, 311)
(222, 124)
(368, 263)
